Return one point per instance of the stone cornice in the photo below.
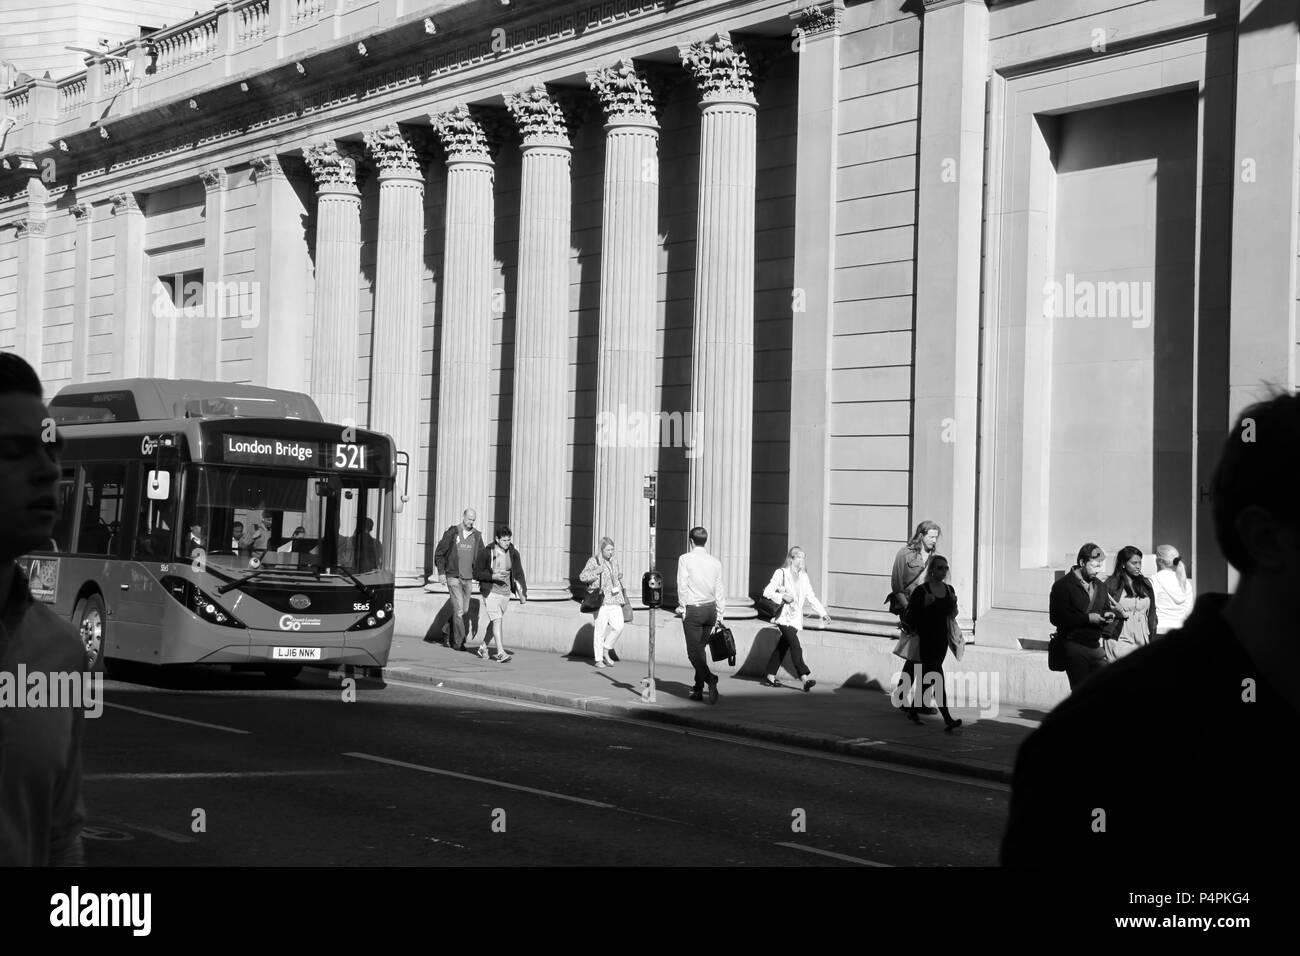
(539, 117)
(623, 91)
(931, 5)
(213, 178)
(392, 149)
(720, 68)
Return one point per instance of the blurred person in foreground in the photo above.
(41, 810)
(1183, 753)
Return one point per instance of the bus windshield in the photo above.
(248, 517)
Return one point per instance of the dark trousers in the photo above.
(697, 624)
(1080, 661)
(927, 687)
(789, 641)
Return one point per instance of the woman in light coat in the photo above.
(603, 572)
(790, 588)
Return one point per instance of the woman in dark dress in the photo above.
(929, 609)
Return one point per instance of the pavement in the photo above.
(847, 720)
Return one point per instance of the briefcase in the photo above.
(722, 646)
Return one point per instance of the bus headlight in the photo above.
(188, 594)
(375, 619)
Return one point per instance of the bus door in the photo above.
(148, 545)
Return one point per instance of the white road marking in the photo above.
(156, 831)
(179, 720)
(214, 775)
(488, 781)
(724, 738)
(837, 856)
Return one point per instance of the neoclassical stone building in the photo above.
(828, 269)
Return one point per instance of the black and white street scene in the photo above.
(846, 434)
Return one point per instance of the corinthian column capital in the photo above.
(624, 91)
(540, 119)
(213, 178)
(332, 163)
(466, 134)
(721, 69)
(813, 20)
(393, 149)
(123, 202)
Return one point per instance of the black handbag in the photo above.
(722, 646)
(767, 608)
(594, 599)
(1056, 653)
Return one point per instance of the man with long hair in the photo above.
(909, 569)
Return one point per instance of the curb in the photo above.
(794, 738)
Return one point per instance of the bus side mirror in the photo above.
(159, 485)
(399, 503)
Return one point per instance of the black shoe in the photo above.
(771, 683)
(929, 711)
(611, 655)
(914, 717)
(713, 693)
(695, 695)
(809, 684)
(953, 724)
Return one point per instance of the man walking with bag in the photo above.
(703, 603)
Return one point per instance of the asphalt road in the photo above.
(205, 767)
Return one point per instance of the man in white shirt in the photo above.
(1173, 590)
(703, 603)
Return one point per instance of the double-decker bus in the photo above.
(204, 522)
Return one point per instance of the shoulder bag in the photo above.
(768, 608)
(897, 600)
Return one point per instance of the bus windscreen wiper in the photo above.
(357, 583)
(265, 567)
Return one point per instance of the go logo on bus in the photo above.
(148, 445)
(290, 623)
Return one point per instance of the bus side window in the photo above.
(101, 515)
(67, 509)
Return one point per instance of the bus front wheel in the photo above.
(90, 617)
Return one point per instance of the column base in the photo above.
(551, 591)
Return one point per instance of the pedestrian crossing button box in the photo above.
(652, 589)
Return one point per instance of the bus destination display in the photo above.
(294, 453)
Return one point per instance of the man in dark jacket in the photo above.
(1183, 753)
(1078, 609)
(502, 574)
(41, 808)
(454, 560)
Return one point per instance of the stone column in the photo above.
(132, 341)
(538, 503)
(281, 265)
(84, 213)
(338, 289)
(1265, 206)
(722, 362)
(203, 359)
(954, 74)
(465, 352)
(813, 297)
(395, 342)
(625, 384)
(29, 330)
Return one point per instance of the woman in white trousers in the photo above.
(603, 573)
